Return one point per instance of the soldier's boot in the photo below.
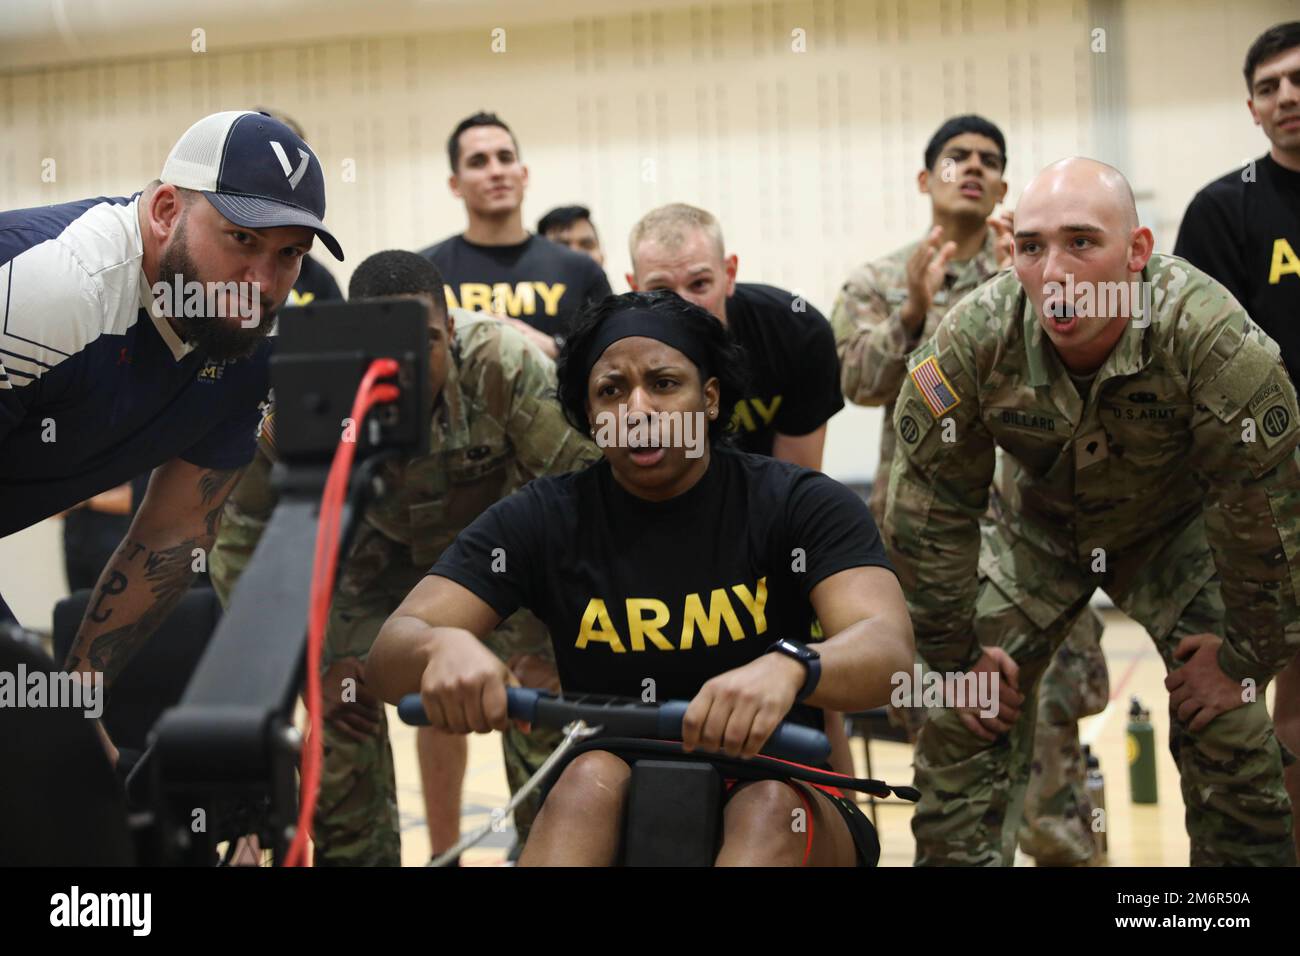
(972, 791)
(1057, 829)
(1057, 825)
(356, 821)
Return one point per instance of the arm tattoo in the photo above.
(168, 573)
(211, 483)
(115, 584)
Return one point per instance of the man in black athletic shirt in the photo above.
(1244, 230)
(496, 265)
(794, 389)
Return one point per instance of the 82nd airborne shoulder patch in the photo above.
(934, 387)
(1272, 411)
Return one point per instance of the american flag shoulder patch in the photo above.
(934, 387)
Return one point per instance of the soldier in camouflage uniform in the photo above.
(496, 425)
(1149, 451)
(885, 311)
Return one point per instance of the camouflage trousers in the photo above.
(356, 821)
(1057, 825)
(1056, 829)
(973, 792)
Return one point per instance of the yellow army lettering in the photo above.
(1285, 262)
(505, 299)
(742, 418)
(648, 617)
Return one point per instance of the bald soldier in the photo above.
(1148, 433)
(886, 310)
(496, 426)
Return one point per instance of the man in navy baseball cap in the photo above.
(254, 170)
(135, 340)
(262, 184)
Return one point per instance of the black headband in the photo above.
(652, 325)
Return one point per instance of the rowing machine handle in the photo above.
(789, 741)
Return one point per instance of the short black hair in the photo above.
(480, 118)
(967, 123)
(725, 358)
(398, 272)
(563, 216)
(1276, 39)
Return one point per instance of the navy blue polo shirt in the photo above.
(94, 389)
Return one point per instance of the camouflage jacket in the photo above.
(496, 426)
(1180, 462)
(873, 343)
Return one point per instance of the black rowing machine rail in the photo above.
(232, 736)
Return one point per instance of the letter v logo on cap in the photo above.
(295, 175)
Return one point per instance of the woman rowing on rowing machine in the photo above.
(676, 567)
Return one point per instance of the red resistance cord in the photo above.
(324, 568)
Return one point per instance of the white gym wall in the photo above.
(800, 124)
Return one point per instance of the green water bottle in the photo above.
(1095, 787)
(1141, 755)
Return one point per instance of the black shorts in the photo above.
(860, 828)
(629, 750)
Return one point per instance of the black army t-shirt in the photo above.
(539, 281)
(676, 591)
(795, 373)
(1246, 234)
